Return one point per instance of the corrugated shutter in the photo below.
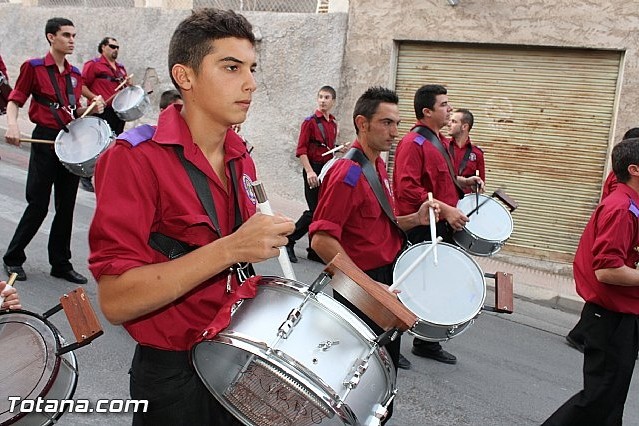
(543, 117)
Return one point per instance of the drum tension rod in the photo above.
(388, 336)
(320, 282)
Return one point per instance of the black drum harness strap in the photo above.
(55, 107)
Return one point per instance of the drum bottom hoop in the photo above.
(259, 390)
(476, 245)
(438, 333)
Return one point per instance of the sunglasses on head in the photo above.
(113, 46)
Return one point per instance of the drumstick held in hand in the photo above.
(337, 148)
(415, 264)
(27, 140)
(121, 85)
(477, 192)
(12, 279)
(265, 207)
(89, 109)
(433, 227)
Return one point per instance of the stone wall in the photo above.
(297, 54)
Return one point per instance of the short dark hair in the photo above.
(328, 89)
(624, 154)
(632, 133)
(467, 117)
(53, 25)
(193, 38)
(104, 42)
(168, 97)
(368, 103)
(425, 97)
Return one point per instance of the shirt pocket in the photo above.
(192, 229)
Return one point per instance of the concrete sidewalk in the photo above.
(547, 283)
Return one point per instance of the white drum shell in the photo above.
(49, 340)
(131, 103)
(488, 229)
(79, 148)
(253, 329)
(446, 297)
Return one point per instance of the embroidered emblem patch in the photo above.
(74, 82)
(472, 157)
(248, 188)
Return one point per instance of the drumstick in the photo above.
(127, 78)
(12, 279)
(337, 148)
(433, 226)
(476, 209)
(89, 109)
(27, 140)
(265, 207)
(477, 191)
(415, 264)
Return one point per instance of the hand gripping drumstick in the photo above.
(12, 279)
(265, 207)
(127, 78)
(415, 264)
(433, 227)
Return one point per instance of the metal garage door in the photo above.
(543, 118)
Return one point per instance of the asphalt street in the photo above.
(512, 370)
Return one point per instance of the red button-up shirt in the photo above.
(311, 142)
(419, 169)
(609, 185)
(34, 79)
(475, 160)
(101, 78)
(610, 240)
(3, 68)
(349, 212)
(145, 188)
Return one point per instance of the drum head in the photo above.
(128, 98)
(86, 139)
(492, 222)
(29, 365)
(450, 293)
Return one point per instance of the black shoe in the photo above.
(574, 343)
(22, 276)
(439, 355)
(403, 363)
(85, 183)
(290, 250)
(70, 276)
(314, 256)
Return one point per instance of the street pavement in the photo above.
(512, 370)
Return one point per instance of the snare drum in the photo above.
(326, 371)
(489, 227)
(131, 103)
(32, 368)
(79, 148)
(447, 297)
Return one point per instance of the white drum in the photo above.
(131, 103)
(447, 297)
(326, 371)
(31, 367)
(79, 148)
(489, 227)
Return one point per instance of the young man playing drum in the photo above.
(56, 88)
(607, 277)
(359, 228)
(468, 159)
(421, 167)
(165, 271)
(102, 76)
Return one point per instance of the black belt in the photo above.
(164, 357)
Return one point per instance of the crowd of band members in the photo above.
(165, 302)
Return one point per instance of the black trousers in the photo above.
(113, 120)
(46, 172)
(417, 235)
(176, 395)
(383, 275)
(611, 344)
(312, 196)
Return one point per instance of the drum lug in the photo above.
(357, 371)
(380, 411)
(291, 321)
(450, 333)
